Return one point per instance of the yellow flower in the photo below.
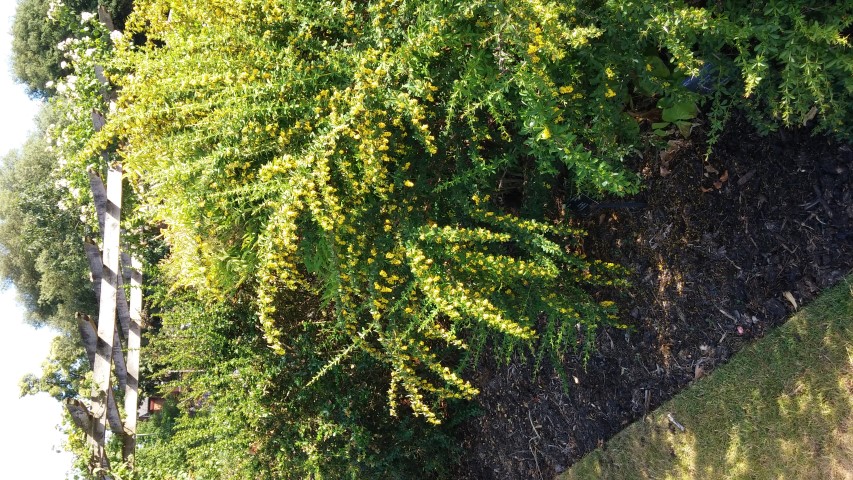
(609, 93)
(409, 183)
(567, 89)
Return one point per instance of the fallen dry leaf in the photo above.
(672, 149)
(722, 180)
(790, 297)
(652, 115)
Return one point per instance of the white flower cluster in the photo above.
(54, 8)
(68, 44)
(62, 184)
(68, 85)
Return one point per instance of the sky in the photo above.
(30, 439)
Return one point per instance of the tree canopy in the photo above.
(37, 60)
(41, 235)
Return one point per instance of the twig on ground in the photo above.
(727, 314)
(822, 201)
(530, 443)
(674, 422)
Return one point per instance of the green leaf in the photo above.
(684, 127)
(658, 68)
(683, 110)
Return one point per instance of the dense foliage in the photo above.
(251, 414)
(351, 163)
(356, 199)
(38, 225)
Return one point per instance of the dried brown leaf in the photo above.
(672, 150)
(790, 298)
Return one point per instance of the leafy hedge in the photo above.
(349, 152)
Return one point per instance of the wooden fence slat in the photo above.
(84, 420)
(134, 341)
(100, 197)
(107, 312)
(88, 333)
(79, 414)
(122, 308)
(93, 255)
(105, 18)
(98, 120)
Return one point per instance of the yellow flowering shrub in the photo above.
(392, 158)
(347, 151)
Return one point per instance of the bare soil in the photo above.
(719, 254)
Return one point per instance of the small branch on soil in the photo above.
(530, 443)
(674, 422)
(530, 416)
(727, 314)
(822, 200)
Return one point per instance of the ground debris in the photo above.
(693, 255)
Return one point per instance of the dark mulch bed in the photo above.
(712, 254)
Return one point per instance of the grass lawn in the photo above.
(781, 409)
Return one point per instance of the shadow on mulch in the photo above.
(713, 254)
